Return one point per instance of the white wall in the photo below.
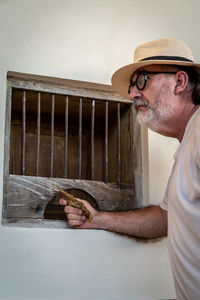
(87, 40)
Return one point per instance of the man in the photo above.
(164, 84)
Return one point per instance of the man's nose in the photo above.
(135, 93)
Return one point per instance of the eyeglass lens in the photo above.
(140, 82)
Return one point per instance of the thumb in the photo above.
(63, 202)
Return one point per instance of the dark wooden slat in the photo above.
(118, 144)
(38, 136)
(106, 141)
(80, 139)
(66, 136)
(92, 139)
(23, 131)
(52, 131)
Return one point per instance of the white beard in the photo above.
(160, 111)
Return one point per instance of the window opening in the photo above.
(60, 136)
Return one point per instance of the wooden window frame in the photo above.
(26, 197)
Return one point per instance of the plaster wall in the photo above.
(88, 40)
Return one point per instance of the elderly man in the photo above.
(164, 84)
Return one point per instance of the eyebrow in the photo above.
(136, 73)
(139, 71)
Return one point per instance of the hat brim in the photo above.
(121, 78)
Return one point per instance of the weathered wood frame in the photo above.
(26, 197)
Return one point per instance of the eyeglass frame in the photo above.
(144, 73)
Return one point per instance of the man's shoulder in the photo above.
(193, 125)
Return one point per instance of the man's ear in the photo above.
(181, 82)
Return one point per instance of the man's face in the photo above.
(154, 103)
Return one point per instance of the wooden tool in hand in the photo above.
(72, 201)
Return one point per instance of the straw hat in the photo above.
(162, 51)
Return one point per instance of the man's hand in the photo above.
(75, 216)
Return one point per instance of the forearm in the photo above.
(150, 222)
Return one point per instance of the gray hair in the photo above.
(194, 81)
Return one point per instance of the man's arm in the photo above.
(149, 222)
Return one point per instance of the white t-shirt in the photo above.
(182, 201)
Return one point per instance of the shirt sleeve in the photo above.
(164, 203)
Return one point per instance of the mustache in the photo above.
(140, 101)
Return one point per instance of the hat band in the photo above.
(179, 58)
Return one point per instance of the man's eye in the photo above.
(140, 80)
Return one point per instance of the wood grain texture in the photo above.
(64, 86)
(27, 197)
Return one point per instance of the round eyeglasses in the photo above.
(141, 80)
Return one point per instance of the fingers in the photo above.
(72, 210)
(74, 215)
(76, 220)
